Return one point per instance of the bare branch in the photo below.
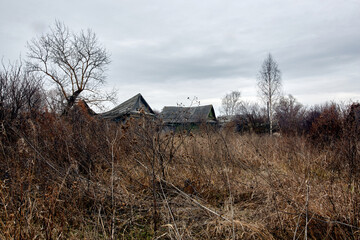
(74, 62)
(231, 103)
(269, 84)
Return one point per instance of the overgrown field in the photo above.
(78, 177)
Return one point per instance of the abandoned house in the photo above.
(189, 116)
(133, 107)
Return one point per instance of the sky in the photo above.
(171, 51)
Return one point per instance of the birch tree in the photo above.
(269, 84)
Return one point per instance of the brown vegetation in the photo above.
(79, 177)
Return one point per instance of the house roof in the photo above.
(83, 105)
(130, 106)
(188, 114)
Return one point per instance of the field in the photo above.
(78, 177)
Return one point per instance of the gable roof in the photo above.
(130, 106)
(188, 114)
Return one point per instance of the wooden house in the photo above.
(188, 116)
(133, 107)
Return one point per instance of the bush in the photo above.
(327, 127)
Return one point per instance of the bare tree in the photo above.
(20, 92)
(231, 103)
(74, 62)
(289, 114)
(269, 83)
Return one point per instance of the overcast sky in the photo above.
(169, 50)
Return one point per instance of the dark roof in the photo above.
(188, 114)
(130, 106)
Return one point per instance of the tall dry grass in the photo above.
(79, 177)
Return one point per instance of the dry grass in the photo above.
(83, 178)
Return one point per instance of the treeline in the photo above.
(324, 122)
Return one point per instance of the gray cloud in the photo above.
(183, 48)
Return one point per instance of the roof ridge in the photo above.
(130, 105)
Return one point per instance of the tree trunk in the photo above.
(269, 109)
(271, 120)
(71, 101)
